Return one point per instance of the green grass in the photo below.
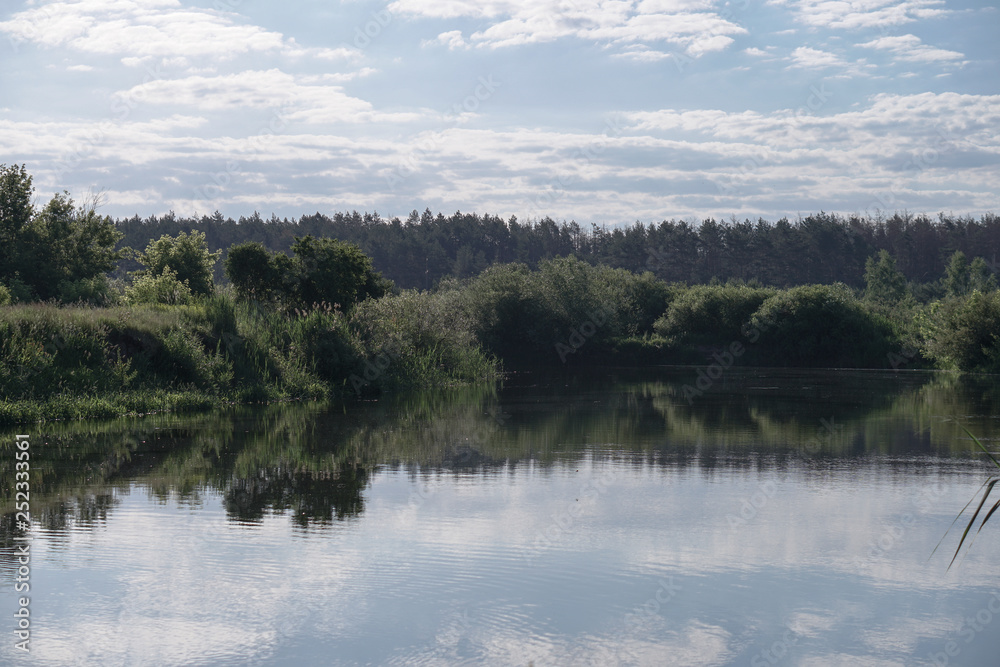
(73, 362)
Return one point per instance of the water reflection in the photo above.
(560, 519)
(314, 462)
(312, 497)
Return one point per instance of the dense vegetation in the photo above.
(91, 327)
(422, 249)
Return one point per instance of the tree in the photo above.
(981, 277)
(187, 255)
(16, 211)
(331, 271)
(65, 247)
(960, 332)
(252, 270)
(884, 283)
(956, 278)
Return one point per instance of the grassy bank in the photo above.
(69, 362)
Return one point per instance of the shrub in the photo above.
(820, 326)
(504, 309)
(328, 271)
(963, 332)
(252, 270)
(161, 288)
(711, 314)
(93, 291)
(518, 313)
(186, 256)
(419, 338)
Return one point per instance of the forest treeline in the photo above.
(417, 252)
(319, 319)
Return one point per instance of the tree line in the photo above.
(419, 251)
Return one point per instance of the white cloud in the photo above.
(692, 25)
(910, 49)
(859, 14)
(806, 57)
(137, 29)
(642, 54)
(304, 98)
(452, 39)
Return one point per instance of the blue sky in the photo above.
(598, 111)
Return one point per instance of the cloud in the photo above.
(303, 98)
(909, 48)
(138, 29)
(806, 57)
(642, 54)
(863, 14)
(692, 25)
(929, 150)
(452, 39)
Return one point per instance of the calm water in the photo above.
(779, 518)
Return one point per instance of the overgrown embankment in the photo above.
(67, 362)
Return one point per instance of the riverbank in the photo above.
(73, 362)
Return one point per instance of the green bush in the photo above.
(92, 291)
(711, 314)
(186, 256)
(820, 326)
(963, 332)
(564, 307)
(640, 300)
(418, 338)
(162, 288)
(253, 271)
(505, 309)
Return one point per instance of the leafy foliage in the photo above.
(330, 271)
(963, 332)
(884, 283)
(519, 313)
(711, 314)
(186, 255)
(322, 271)
(16, 211)
(821, 326)
(163, 287)
(252, 270)
(62, 248)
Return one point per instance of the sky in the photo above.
(598, 111)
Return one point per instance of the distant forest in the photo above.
(417, 252)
